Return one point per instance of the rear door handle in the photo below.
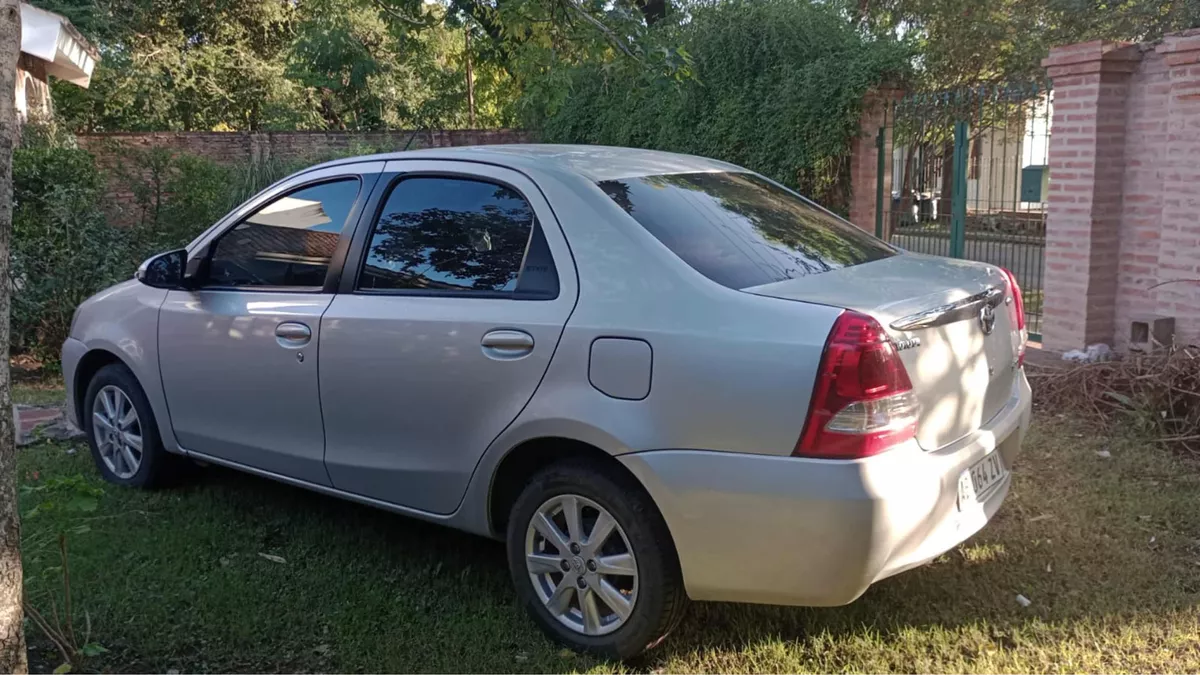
(293, 334)
(507, 344)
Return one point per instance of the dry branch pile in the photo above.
(1157, 393)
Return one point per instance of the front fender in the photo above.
(122, 321)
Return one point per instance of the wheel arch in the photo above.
(100, 355)
(90, 364)
(525, 459)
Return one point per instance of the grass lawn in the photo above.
(41, 391)
(1107, 550)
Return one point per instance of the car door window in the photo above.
(457, 235)
(287, 243)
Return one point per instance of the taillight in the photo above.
(863, 401)
(1016, 315)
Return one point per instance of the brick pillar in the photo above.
(1180, 228)
(1087, 149)
(864, 156)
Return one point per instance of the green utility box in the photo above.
(1035, 183)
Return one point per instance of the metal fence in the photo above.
(969, 175)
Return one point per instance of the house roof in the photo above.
(51, 38)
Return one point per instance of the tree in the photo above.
(774, 85)
(965, 42)
(12, 635)
(332, 64)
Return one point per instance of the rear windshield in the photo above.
(741, 230)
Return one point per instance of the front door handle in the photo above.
(293, 334)
(507, 344)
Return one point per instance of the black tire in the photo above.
(661, 599)
(157, 467)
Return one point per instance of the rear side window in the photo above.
(448, 234)
(741, 230)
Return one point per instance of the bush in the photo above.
(63, 250)
(176, 196)
(776, 86)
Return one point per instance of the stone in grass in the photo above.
(1093, 353)
(1104, 454)
(1023, 601)
(61, 430)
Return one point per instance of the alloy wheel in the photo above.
(117, 432)
(581, 565)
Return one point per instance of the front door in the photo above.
(463, 286)
(239, 355)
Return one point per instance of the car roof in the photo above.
(594, 162)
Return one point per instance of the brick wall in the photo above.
(864, 156)
(1125, 190)
(1141, 208)
(288, 146)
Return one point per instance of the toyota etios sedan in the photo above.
(657, 377)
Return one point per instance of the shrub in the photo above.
(63, 250)
(175, 197)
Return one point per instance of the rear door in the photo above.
(456, 292)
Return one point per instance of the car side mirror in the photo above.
(165, 270)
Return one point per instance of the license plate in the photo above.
(980, 478)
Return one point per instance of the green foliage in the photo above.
(62, 248)
(176, 196)
(775, 85)
(62, 500)
(261, 64)
(963, 42)
(60, 496)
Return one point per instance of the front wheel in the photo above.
(592, 561)
(122, 432)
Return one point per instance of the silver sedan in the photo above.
(655, 376)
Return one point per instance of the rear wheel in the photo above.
(592, 561)
(122, 431)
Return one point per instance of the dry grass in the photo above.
(1156, 394)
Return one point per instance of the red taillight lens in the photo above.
(863, 401)
(1016, 314)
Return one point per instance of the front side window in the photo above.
(287, 243)
(740, 230)
(449, 234)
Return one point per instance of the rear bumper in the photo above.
(791, 531)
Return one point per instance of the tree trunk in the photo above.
(12, 635)
(470, 80)
(946, 197)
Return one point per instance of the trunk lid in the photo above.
(961, 373)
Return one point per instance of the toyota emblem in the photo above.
(987, 319)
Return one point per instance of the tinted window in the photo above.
(449, 234)
(288, 242)
(741, 230)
